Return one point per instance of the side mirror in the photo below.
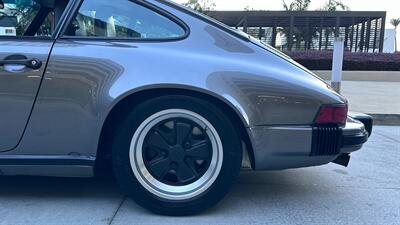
(1, 4)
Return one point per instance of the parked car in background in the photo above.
(172, 98)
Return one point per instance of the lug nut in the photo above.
(187, 145)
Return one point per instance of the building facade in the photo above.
(310, 30)
(390, 39)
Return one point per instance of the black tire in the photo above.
(232, 156)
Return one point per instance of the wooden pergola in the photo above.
(310, 30)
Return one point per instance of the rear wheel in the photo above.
(176, 155)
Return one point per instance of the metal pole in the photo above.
(291, 28)
(362, 37)
(368, 34)
(382, 34)
(337, 65)
(321, 24)
(375, 34)
(274, 33)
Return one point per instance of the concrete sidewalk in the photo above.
(367, 192)
(378, 99)
(373, 97)
(376, 93)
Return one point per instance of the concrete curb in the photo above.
(375, 76)
(385, 119)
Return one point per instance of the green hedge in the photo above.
(322, 60)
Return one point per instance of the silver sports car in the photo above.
(172, 100)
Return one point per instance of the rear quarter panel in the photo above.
(86, 78)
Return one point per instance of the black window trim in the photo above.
(64, 17)
(143, 3)
(37, 22)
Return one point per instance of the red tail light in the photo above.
(332, 114)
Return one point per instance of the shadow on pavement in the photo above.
(54, 187)
(248, 185)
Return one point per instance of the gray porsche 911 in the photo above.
(171, 99)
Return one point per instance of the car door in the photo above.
(25, 45)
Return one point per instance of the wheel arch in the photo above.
(133, 98)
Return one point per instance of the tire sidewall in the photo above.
(232, 155)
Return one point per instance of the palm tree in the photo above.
(395, 23)
(202, 6)
(297, 5)
(298, 34)
(335, 5)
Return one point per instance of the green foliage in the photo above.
(395, 23)
(335, 5)
(25, 11)
(200, 5)
(297, 5)
(299, 34)
(322, 60)
(193, 4)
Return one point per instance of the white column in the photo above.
(337, 65)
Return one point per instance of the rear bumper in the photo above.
(278, 148)
(355, 140)
(356, 132)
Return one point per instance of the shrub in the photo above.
(322, 60)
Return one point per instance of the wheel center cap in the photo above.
(177, 154)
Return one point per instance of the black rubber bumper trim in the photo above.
(367, 120)
(354, 140)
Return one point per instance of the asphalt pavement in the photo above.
(367, 192)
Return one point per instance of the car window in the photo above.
(121, 19)
(17, 16)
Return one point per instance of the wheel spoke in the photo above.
(156, 140)
(160, 167)
(199, 151)
(185, 173)
(177, 151)
(182, 131)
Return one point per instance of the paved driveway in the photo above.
(368, 192)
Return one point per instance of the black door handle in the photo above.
(22, 60)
